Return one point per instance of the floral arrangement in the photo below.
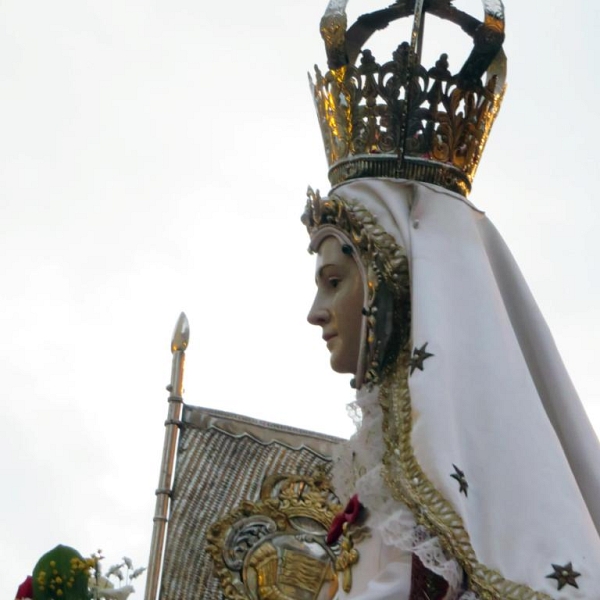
(64, 574)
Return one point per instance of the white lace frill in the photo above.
(358, 468)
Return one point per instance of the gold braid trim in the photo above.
(410, 485)
(379, 252)
(386, 266)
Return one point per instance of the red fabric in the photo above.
(25, 589)
(349, 515)
(424, 584)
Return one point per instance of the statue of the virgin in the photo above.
(474, 471)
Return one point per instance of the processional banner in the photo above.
(240, 481)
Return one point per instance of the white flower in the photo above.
(100, 583)
(112, 570)
(117, 593)
(128, 562)
(138, 572)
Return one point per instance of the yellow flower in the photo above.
(59, 593)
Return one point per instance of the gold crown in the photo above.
(399, 119)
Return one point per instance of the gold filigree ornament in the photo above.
(399, 119)
(384, 266)
(410, 485)
(275, 549)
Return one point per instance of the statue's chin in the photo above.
(343, 364)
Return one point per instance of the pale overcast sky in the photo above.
(154, 158)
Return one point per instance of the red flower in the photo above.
(25, 589)
(349, 515)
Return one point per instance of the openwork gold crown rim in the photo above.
(358, 107)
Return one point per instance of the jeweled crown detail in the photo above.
(399, 119)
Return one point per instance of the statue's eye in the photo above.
(334, 281)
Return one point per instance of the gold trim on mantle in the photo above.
(410, 485)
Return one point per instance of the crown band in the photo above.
(416, 169)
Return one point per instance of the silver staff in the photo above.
(179, 343)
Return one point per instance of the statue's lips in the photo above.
(329, 336)
(329, 339)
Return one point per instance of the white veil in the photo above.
(499, 459)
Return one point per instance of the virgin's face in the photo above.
(337, 308)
